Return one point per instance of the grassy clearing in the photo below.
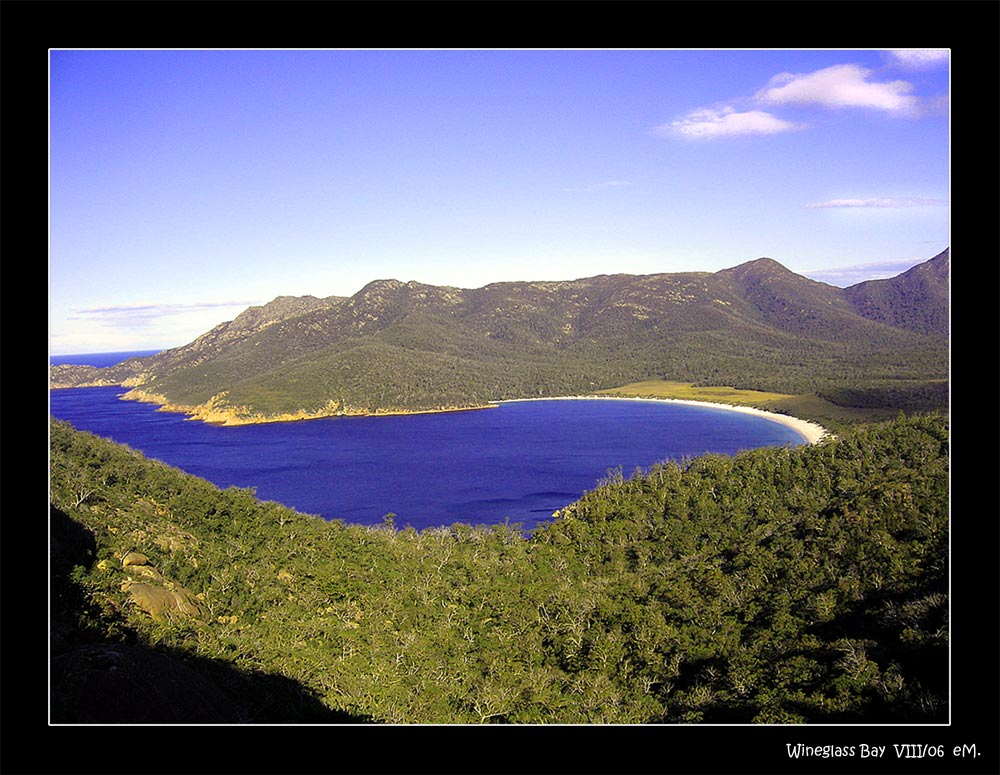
(661, 388)
(830, 415)
(806, 406)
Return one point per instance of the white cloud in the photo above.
(919, 58)
(836, 87)
(709, 123)
(892, 202)
(840, 86)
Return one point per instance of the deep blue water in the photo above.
(99, 360)
(519, 462)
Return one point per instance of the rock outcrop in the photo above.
(157, 596)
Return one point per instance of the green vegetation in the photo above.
(779, 585)
(804, 585)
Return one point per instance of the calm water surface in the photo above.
(519, 462)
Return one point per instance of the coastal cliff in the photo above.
(216, 411)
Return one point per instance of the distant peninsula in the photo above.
(403, 347)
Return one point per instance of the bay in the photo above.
(517, 462)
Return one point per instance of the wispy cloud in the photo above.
(147, 314)
(891, 202)
(599, 186)
(707, 123)
(919, 58)
(840, 86)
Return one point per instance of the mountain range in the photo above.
(405, 346)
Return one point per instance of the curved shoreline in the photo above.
(811, 433)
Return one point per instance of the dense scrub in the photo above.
(778, 585)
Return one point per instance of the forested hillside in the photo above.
(398, 346)
(911, 301)
(804, 584)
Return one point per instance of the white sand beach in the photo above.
(811, 432)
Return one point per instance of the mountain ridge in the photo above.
(399, 346)
(903, 302)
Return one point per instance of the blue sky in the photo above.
(187, 185)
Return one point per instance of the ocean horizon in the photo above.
(99, 359)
